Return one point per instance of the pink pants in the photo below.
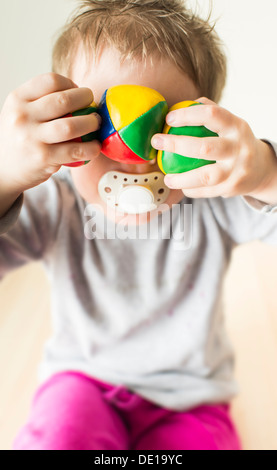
(72, 411)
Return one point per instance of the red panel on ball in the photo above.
(74, 165)
(114, 148)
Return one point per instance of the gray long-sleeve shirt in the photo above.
(144, 313)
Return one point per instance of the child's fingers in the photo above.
(205, 193)
(213, 117)
(72, 152)
(206, 148)
(58, 104)
(42, 85)
(205, 177)
(62, 130)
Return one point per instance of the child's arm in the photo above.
(245, 165)
(33, 137)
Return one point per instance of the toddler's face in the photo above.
(162, 76)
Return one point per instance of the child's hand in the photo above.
(245, 165)
(33, 137)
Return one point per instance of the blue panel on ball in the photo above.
(107, 127)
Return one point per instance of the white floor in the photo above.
(251, 315)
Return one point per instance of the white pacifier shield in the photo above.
(133, 193)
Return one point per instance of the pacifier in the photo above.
(132, 193)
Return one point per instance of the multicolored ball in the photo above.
(174, 163)
(131, 115)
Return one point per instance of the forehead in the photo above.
(108, 70)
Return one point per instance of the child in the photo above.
(139, 358)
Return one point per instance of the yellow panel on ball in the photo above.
(126, 103)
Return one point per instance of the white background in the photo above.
(247, 27)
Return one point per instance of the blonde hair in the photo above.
(139, 29)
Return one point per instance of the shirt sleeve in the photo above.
(246, 219)
(28, 230)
